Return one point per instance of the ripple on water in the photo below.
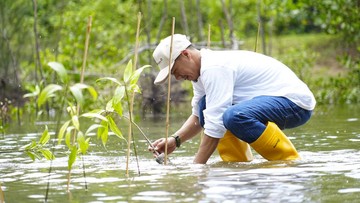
(349, 190)
(153, 196)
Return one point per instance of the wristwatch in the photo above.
(177, 140)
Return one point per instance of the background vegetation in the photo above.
(319, 40)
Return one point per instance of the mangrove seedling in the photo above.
(123, 92)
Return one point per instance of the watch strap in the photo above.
(177, 140)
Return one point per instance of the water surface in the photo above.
(329, 170)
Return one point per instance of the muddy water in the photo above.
(329, 170)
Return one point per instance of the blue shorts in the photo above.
(247, 120)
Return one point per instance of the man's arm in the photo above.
(207, 148)
(208, 144)
(189, 129)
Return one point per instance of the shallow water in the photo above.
(329, 170)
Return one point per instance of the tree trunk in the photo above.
(37, 46)
(234, 42)
(199, 21)
(162, 21)
(183, 18)
(262, 32)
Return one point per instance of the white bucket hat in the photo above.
(161, 55)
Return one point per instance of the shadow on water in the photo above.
(329, 170)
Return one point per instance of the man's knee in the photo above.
(241, 124)
(234, 119)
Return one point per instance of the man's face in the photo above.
(185, 68)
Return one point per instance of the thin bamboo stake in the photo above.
(169, 88)
(132, 99)
(2, 198)
(88, 30)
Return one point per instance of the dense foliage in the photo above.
(36, 32)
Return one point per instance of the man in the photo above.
(241, 98)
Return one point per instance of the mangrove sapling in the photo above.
(80, 144)
(35, 149)
(123, 90)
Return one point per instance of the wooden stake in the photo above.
(88, 30)
(2, 198)
(132, 97)
(169, 88)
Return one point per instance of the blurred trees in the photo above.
(61, 26)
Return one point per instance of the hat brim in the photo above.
(163, 75)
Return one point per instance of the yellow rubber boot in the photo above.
(232, 149)
(274, 145)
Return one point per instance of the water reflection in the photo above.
(329, 170)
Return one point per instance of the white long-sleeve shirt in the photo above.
(229, 77)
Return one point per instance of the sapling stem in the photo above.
(158, 156)
(132, 99)
(88, 29)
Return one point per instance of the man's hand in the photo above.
(159, 146)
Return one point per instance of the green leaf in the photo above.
(82, 143)
(93, 115)
(110, 79)
(45, 136)
(119, 94)
(77, 93)
(109, 106)
(98, 111)
(60, 70)
(116, 100)
(114, 128)
(31, 155)
(103, 132)
(30, 146)
(47, 154)
(35, 93)
(128, 72)
(72, 157)
(48, 92)
(135, 76)
(92, 92)
(104, 136)
(68, 136)
(104, 125)
(75, 122)
(62, 131)
(135, 88)
(118, 108)
(71, 109)
(92, 127)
